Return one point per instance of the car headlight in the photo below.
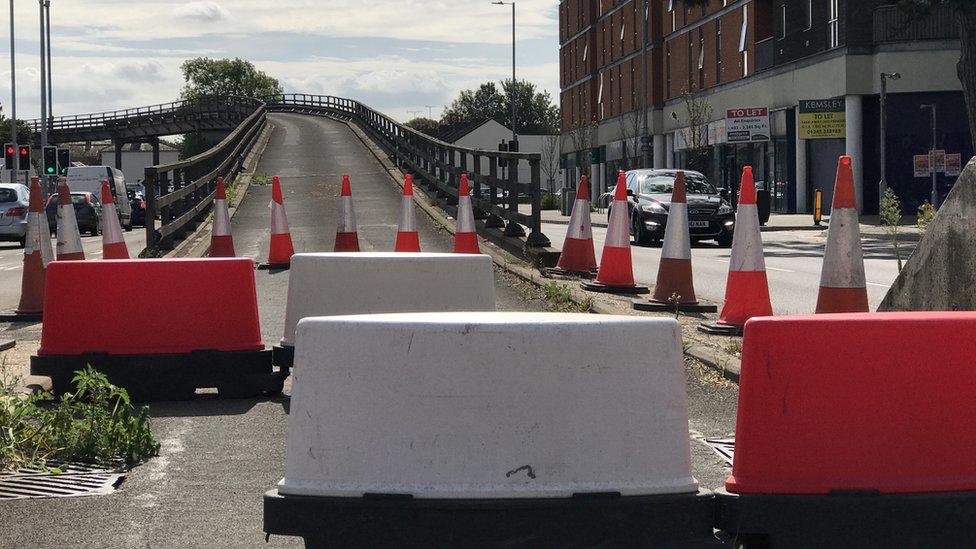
(652, 207)
(724, 209)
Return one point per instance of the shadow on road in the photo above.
(210, 405)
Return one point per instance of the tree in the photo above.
(23, 130)
(424, 125)
(699, 113)
(550, 160)
(965, 13)
(225, 78)
(536, 113)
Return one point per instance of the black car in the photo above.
(88, 212)
(710, 215)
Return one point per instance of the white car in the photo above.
(14, 203)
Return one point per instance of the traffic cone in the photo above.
(221, 239)
(616, 273)
(69, 238)
(37, 254)
(407, 239)
(347, 236)
(466, 235)
(578, 257)
(675, 287)
(747, 290)
(113, 243)
(842, 282)
(279, 256)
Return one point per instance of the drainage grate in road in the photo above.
(74, 480)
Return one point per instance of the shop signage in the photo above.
(953, 165)
(823, 119)
(921, 163)
(747, 125)
(940, 161)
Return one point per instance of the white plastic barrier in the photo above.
(328, 284)
(488, 405)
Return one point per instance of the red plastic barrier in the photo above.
(857, 402)
(150, 307)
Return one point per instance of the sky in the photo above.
(398, 56)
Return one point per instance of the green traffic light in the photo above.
(50, 170)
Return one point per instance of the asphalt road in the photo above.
(218, 457)
(793, 262)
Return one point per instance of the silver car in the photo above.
(14, 204)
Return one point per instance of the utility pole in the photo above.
(514, 112)
(645, 134)
(40, 5)
(13, 92)
(883, 185)
(935, 188)
(50, 71)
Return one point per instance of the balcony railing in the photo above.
(891, 24)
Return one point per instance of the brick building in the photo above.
(765, 57)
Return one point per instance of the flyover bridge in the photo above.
(182, 193)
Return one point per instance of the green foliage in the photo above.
(261, 180)
(891, 218)
(550, 201)
(95, 424)
(926, 213)
(424, 125)
(536, 113)
(560, 298)
(226, 77)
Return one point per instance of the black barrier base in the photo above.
(274, 266)
(400, 521)
(849, 519)
(14, 316)
(627, 290)
(556, 271)
(655, 307)
(171, 377)
(284, 356)
(718, 328)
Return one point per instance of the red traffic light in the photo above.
(24, 151)
(10, 150)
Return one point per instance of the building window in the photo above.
(832, 24)
(671, 11)
(701, 60)
(809, 14)
(782, 21)
(744, 31)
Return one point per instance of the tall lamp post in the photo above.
(645, 134)
(885, 76)
(43, 59)
(501, 3)
(935, 188)
(50, 72)
(13, 92)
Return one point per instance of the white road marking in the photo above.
(768, 268)
(879, 285)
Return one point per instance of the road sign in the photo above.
(921, 163)
(823, 119)
(953, 165)
(747, 125)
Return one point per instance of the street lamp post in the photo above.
(50, 71)
(935, 189)
(884, 133)
(514, 133)
(43, 57)
(645, 137)
(13, 92)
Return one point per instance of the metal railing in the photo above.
(891, 24)
(186, 188)
(437, 165)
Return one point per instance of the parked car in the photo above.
(88, 212)
(14, 204)
(138, 206)
(710, 214)
(89, 179)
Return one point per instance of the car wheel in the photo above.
(23, 241)
(725, 240)
(128, 228)
(641, 236)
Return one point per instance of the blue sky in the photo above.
(397, 56)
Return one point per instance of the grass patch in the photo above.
(261, 180)
(560, 298)
(96, 424)
(734, 346)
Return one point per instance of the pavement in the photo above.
(218, 457)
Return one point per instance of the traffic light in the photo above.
(64, 160)
(23, 155)
(50, 160)
(9, 153)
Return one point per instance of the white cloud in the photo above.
(208, 12)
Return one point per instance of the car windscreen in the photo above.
(78, 199)
(664, 184)
(8, 195)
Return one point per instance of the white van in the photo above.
(89, 179)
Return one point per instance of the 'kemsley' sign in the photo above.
(747, 125)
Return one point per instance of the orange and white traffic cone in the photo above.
(578, 257)
(842, 281)
(69, 237)
(675, 287)
(37, 254)
(466, 235)
(747, 290)
(347, 236)
(279, 256)
(221, 239)
(113, 243)
(616, 273)
(407, 238)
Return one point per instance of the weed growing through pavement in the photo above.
(560, 298)
(675, 300)
(734, 346)
(95, 424)
(891, 218)
(261, 180)
(926, 213)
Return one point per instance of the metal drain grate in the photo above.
(74, 481)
